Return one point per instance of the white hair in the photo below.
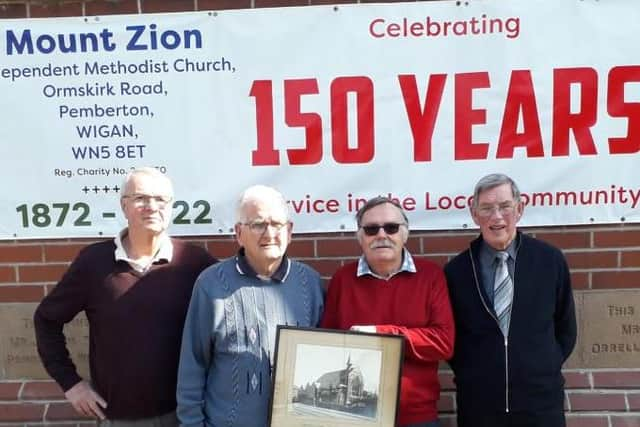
(259, 193)
(149, 171)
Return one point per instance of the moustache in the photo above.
(384, 243)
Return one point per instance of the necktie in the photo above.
(502, 292)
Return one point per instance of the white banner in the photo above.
(330, 104)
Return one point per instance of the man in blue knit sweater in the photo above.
(224, 378)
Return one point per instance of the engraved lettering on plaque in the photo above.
(609, 333)
(18, 354)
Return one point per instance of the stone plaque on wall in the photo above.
(608, 329)
(18, 355)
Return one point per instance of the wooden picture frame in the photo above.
(335, 378)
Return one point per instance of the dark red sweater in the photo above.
(135, 326)
(415, 305)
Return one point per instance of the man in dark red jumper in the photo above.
(135, 291)
(387, 291)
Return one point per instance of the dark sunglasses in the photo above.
(388, 227)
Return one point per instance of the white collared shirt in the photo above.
(165, 252)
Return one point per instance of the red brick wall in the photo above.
(600, 257)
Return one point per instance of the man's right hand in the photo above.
(85, 400)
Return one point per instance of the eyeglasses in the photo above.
(505, 209)
(140, 200)
(388, 227)
(260, 227)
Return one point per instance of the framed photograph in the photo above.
(335, 378)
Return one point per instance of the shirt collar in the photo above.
(164, 253)
(488, 254)
(280, 275)
(407, 265)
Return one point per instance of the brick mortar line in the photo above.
(25, 284)
(622, 247)
(44, 413)
(601, 413)
(597, 250)
(604, 270)
(610, 369)
(36, 263)
(20, 390)
(626, 402)
(40, 423)
(598, 391)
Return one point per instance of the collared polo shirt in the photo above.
(280, 275)
(407, 265)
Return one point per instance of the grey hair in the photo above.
(376, 201)
(492, 181)
(149, 171)
(259, 193)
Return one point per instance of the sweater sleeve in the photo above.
(565, 314)
(195, 357)
(59, 307)
(434, 341)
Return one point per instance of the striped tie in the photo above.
(503, 292)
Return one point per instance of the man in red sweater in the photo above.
(387, 291)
